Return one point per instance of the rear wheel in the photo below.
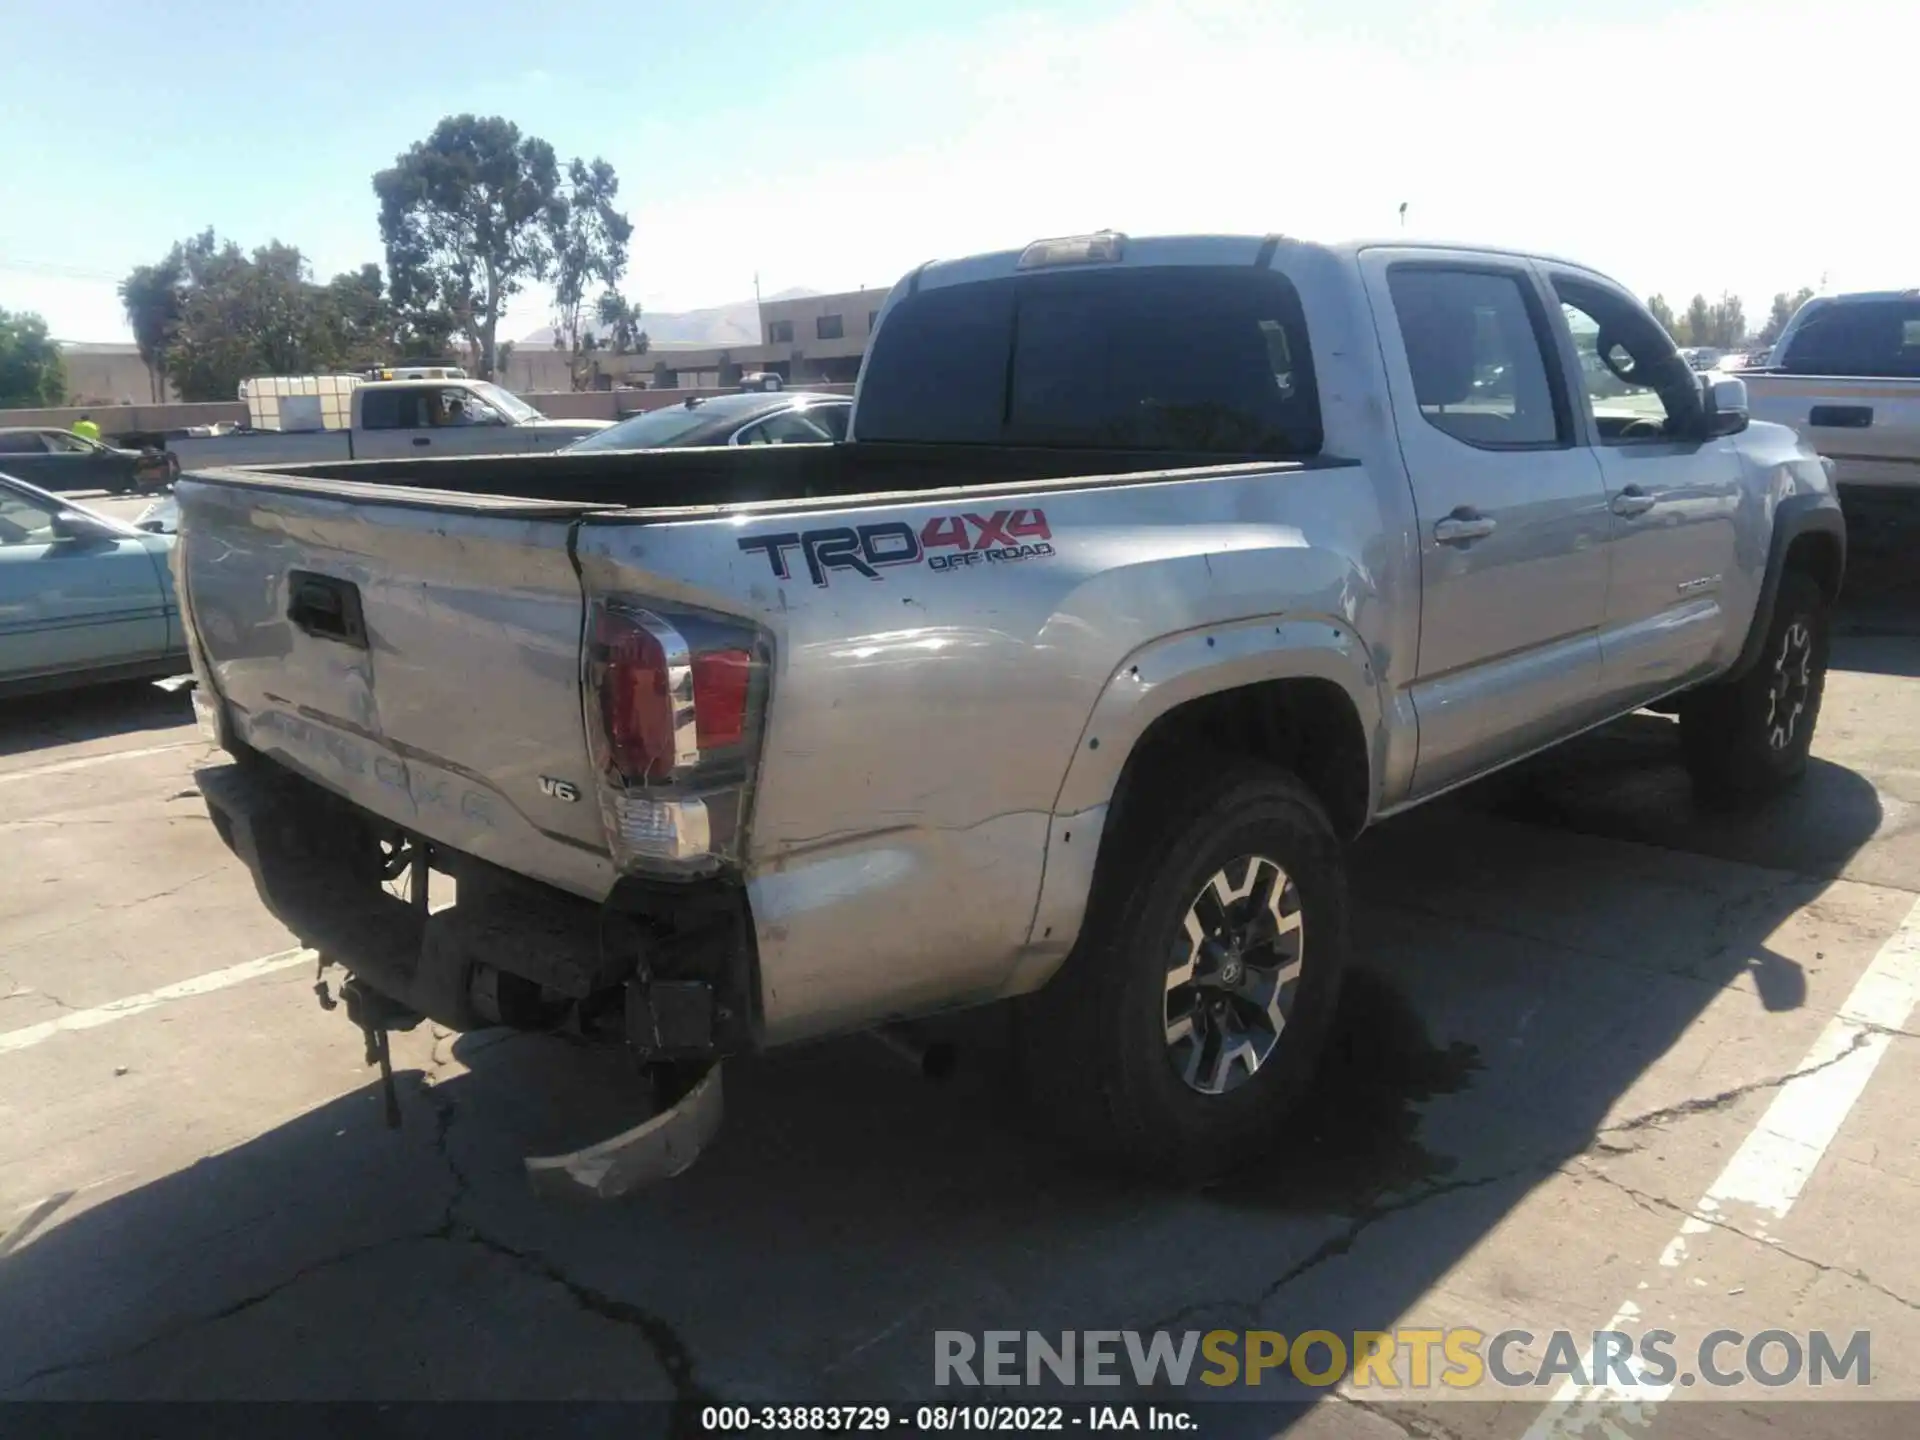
(1187, 1022)
(1747, 739)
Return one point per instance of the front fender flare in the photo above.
(1815, 513)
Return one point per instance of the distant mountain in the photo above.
(734, 324)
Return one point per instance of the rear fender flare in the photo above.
(1149, 683)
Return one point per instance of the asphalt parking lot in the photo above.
(1605, 1056)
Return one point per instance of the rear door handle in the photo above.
(1463, 527)
(422, 440)
(1841, 417)
(326, 608)
(1634, 501)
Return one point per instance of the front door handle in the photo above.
(1634, 501)
(422, 440)
(1841, 417)
(1463, 527)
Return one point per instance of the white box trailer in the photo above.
(293, 403)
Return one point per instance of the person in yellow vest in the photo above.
(86, 429)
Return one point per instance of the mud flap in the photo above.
(658, 1149)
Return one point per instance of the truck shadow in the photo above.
(1518, 970)
(64, 717)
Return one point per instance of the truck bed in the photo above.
(692, 480)
(447, 696)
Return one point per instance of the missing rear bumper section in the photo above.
(662, 970)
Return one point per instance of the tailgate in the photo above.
(418, 655)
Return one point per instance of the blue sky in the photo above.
(1679, 146)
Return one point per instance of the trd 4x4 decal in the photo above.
(946, 542)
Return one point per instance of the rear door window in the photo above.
(1197, 359)
(790, 427)
(831, 418)
(382, 410)
(24, 520)
(1857, 337)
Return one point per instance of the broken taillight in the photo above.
(720, 683)
(646, 695)
(670, 711)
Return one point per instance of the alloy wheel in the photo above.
(1791, 684)
(1233, 975)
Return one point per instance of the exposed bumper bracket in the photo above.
(405, 966)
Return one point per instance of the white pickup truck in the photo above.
(1845, 373)
(399, 419)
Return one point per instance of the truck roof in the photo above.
(1867, 297)
(409, 384)
(1216, 249)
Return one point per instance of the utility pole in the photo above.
(758, 320)
(1403, 214)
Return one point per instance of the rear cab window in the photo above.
(1196, 359)
(382, 410)
(1867, 338)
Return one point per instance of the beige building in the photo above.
(811, 340)
(110, 374)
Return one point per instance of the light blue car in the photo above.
(83, 599)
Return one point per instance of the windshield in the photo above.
(655, 427)
(509, 404)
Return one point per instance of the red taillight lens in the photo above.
(720, 679)
(636, 698)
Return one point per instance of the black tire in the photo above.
(1748, 739)
(1093, 1043)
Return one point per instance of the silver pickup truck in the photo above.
(1154, 571)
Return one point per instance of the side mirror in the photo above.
(1724, 400)
(74, 525)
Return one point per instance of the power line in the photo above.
(49, 267)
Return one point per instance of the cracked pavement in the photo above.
(1577, 997)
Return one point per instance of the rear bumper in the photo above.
(314, 862)
(301, 857)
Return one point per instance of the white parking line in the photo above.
(1770, 1169)
(30, 1035)
(87, 762)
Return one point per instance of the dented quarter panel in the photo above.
(931, 735)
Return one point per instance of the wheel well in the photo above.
(1308, 726)
(1817, 555)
